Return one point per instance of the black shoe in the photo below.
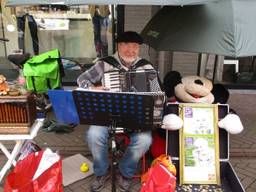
(99, 182)
(124, 184)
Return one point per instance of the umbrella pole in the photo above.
(199, 63)
(215, 67)
(252, 65)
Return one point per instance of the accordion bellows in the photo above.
(17, 114)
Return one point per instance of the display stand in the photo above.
(132, 111)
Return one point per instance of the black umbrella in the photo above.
(225, 27)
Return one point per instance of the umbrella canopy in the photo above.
(225, 27)
(121, 2)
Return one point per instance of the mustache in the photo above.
(130, 59)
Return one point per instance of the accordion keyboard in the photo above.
(113, 80)
(129, 81)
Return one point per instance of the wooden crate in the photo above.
(17, 114)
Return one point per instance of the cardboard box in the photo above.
(229, 179)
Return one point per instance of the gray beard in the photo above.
(126, 64)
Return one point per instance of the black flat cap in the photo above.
(129, 37)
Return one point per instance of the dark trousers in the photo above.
(100, 27)
(33, 31)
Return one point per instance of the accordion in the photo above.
(130, 81)
(140, 81)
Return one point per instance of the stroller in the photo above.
(43, 72)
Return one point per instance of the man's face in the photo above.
(128, 51)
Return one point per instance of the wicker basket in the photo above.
(17, 114)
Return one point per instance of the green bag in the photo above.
(42, 72)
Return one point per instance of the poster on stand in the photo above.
(199, 141)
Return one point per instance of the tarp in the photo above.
(120, 2)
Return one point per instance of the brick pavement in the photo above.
(242, 146)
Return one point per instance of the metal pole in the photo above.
(215, 67)
(112, 132)
(113, 28)
(199, 64)
(2, 26)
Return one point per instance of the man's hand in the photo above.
(100, 87)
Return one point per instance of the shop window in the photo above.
(234, 73)
(239, 72)
(74, 30)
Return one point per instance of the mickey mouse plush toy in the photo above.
(192, 89)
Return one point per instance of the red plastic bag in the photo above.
(22, 177)
(158, 146)
(160, 177)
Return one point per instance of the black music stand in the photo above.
(132, 111)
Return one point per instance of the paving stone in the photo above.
(247, 182)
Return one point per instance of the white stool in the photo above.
(19, 140)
